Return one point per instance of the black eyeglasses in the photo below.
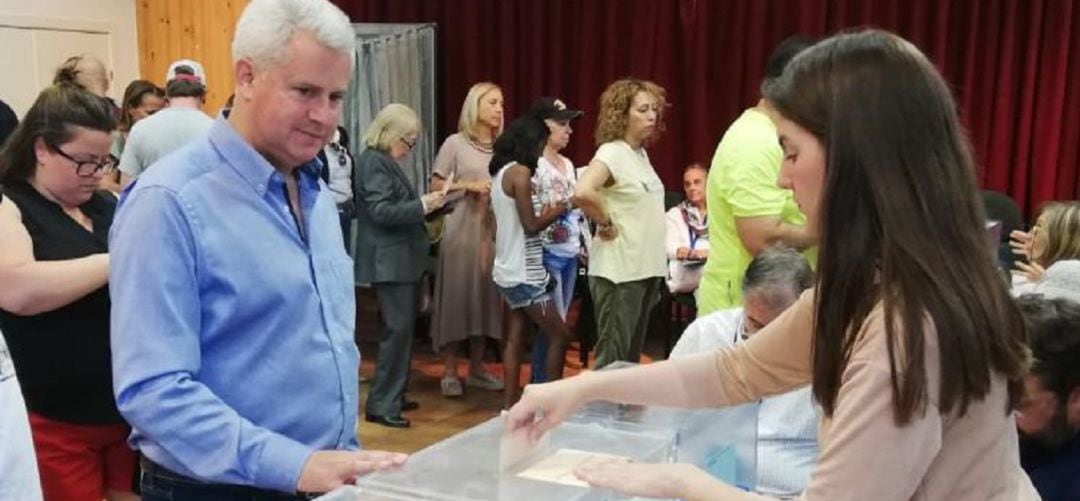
(88, 168)
(407, 143)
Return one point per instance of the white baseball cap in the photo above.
(196, 68)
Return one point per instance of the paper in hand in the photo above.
(515, 448)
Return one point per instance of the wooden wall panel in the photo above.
(189, 29)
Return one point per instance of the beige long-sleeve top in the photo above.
(865, 455)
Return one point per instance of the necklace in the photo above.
(483, 147)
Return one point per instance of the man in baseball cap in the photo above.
(186, 69)
(178, 124)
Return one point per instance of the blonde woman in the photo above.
(466, 303)
(391, 247)
(622, 194)
(1055, 237)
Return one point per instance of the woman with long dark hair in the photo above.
(910, 341)
(142, 98)
(54, 302)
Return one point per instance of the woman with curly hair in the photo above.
(622, 194)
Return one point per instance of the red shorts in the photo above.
(80, 462)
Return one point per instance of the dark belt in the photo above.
(347, 207)
(154, 470)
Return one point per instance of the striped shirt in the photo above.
(519, 258)
(787, 446)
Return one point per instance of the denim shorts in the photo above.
(522, 295)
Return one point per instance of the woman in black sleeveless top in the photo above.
(54, 304)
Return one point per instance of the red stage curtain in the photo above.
(1014, 66)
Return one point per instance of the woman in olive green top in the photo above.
(913, 348)
(622, 194)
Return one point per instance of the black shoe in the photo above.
(409, 405)
(391, 421)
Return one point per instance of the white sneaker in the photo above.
(484, 381)
(451, 387)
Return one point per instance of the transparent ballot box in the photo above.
(466, 467)
(722, 442)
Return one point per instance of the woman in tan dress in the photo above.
(466, 303)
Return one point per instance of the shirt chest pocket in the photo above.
(334, 276)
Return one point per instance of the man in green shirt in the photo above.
(747, 210)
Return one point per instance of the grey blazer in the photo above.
(391, 239)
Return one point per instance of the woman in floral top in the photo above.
(553, 183)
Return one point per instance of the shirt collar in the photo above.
(250, 164)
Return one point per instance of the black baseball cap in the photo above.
(555, 109)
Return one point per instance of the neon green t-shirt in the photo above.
(742, 183)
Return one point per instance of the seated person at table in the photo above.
(787, 423)
(688, 233)
(1049, 414)
(1055, 237)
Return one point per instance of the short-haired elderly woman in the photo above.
(391, 248)
(622, 194)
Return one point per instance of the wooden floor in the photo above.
(438, 417)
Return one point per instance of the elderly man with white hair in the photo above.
(787, 445)
(233, 304)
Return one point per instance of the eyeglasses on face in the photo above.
(88, 168)
(410, 144)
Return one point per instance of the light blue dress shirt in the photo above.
(232, 331)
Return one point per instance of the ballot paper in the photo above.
(559, 467)
(516, 450)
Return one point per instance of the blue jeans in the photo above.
(564, 271)
(160, 484)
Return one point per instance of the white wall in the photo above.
(37, 35)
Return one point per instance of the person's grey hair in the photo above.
(1060, 280)
(395, 121)
(266, 26)
(778, 275)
